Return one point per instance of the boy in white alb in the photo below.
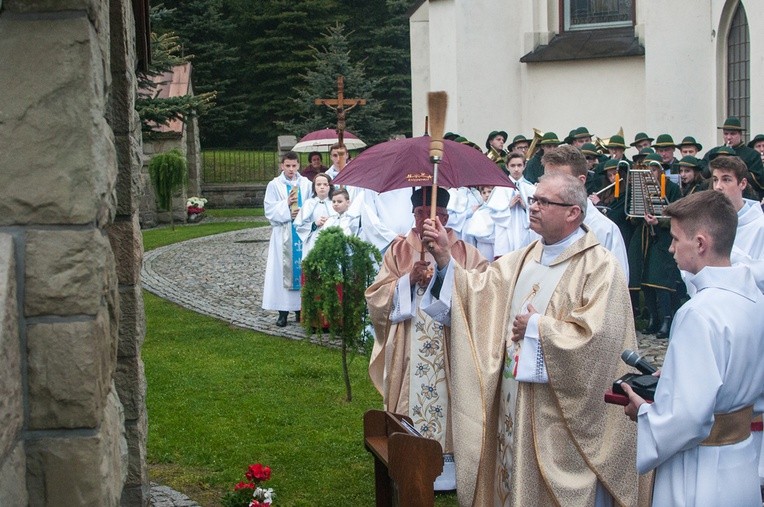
(479, 229)
(341, 218)
(697, 433)
(513, 226)
(283, 197)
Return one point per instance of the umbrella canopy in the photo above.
(406, 163)
(322, 140)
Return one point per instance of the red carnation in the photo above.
(258, 472)
(244, 485)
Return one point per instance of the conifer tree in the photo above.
(333, 59)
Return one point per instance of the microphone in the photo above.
(633, 359)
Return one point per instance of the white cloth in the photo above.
(385, 215)
(346, 222)
(713, 365)
(278, 213)
(311, 210)
(513, 226)
(355, 193)
(461, 206)
(479, 231)
(749, 236)
(607, 233)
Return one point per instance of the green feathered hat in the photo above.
(664, 141)
(690, 161)
(493, 134)
(616, 141)
(732, 123)
(641, 136)
(690, 141)
(550, 139)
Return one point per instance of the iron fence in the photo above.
(239, 166)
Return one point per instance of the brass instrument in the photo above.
(537, 135)
(643, 193)
(601, 144)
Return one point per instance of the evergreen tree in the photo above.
(333, 59)
(205, 31)
(276, 35)
(154, 110)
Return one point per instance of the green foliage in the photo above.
(169, 174)
(154, 111)
(205, 31)
(336, 261)
(332, 59)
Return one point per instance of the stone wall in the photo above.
(72, 415)
(234, 195)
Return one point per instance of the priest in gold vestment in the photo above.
(536, 341)
(409, 361)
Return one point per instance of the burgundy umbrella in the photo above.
(406, 163)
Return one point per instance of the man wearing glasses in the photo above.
(536, 342)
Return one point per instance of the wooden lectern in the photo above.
(406, 464)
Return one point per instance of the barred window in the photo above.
(738, 68)
(593, 14)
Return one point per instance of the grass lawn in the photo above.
(220, 398)
(235, 212)
(154, 238)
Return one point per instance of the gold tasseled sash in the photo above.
(730, 428)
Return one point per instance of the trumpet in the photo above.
(537, 135)
(601, 144)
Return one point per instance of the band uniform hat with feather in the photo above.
(581, 132)
(518, 139)
(664, 141)
(722, 151)
(690, 161)
(493, 134)
(616, 141)
(550, 139)
(732, 123)
(590, 150)
(653, 158)
(757, 139)
(641, 136)
(690, 141)
(569, 138)
(421, 197)
(643, 153)
(611, 163)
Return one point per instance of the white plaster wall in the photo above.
(677, 88)
(419, 36)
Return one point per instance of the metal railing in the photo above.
(239, 166)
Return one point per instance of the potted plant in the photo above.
(195, 208)
(168, 173)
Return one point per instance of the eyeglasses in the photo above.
(591, 158)
(544, 202)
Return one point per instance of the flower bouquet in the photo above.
(249, 493)
(195, 208)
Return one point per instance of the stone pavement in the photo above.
(222, 276)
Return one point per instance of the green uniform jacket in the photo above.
(533, 169)
(650, 262)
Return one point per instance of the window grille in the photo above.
(593, 14)
(738, 68)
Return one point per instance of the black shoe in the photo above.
(652, 325)
(297, 316)
(281, 321)
(663, 332)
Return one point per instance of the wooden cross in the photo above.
(338, 105)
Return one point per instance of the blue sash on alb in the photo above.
(296, 247)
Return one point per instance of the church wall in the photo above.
(678, 87)
(70, 248)
(419, 35)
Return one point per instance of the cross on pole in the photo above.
(338, 105)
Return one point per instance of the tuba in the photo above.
(601, 144)
(537, 135)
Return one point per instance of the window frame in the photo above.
(564, 11)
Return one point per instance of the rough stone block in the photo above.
(28, 6)
(58, 158)
(11, 411)
(68, 272)
(127, 244)
(13, 484)
(80, 470)
(130, 380)
(136, 433)
(122, 27)
(70, 367)
(132, 321)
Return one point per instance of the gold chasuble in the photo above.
(409, 361)
(564, 437)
